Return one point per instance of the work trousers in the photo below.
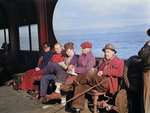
(28, 80)
(61, 77)
(52, 68)
(49, 74)
(83, 82)
(44, 84)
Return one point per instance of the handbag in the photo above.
(17, 79)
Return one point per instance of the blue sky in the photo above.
(81, 14)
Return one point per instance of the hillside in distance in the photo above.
(132, 28)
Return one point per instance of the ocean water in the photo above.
(126, 44)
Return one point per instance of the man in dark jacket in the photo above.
(10, 63)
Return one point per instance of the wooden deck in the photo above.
(13, 102)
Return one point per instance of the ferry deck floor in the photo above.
(13, 102)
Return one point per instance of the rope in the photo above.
(60, 106)
(125, 73)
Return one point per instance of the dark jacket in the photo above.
(46, 59)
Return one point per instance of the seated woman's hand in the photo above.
(37, 69)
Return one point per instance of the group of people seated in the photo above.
(70, 72)
(73, 73)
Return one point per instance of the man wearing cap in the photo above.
(10, 63)
(54, 68)
(86, 61)
(110, 66)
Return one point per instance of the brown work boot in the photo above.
(67, 87)
(54, 95)
(39, 101)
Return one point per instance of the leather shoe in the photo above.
(39, 101)
(67, 87)
(35, 96)
(32, 93)
(20, 91)
(54, 95)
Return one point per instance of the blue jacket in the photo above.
(46, 59)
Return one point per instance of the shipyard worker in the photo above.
(86, 61)
(42, 53)
(144, 54)
(109, 69)
(54, 68)
(28, 80)
(10, 64)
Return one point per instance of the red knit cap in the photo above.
(86, 45)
